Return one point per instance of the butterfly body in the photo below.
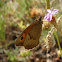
(30, 36)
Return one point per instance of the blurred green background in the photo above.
(15, 16)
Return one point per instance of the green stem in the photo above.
(58, 43)
(48, 4)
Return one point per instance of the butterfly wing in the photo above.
(32, 37)
(29, 38)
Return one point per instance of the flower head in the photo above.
(50, 13)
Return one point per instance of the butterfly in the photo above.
(29, 38)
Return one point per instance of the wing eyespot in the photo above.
(22, 38)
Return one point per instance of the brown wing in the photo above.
(32, 37)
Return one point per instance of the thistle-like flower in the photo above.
(50, 14)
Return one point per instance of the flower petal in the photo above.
(55, 11)
(48, 10)
(50, 17)
(46, 16)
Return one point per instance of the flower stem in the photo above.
(58, 43)
(48, 4)
(58, 29)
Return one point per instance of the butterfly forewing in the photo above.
(29, 38)
(32, 37)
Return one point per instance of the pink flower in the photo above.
(50, 13)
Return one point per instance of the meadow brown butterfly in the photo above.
(29, 38)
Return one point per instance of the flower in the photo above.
(50, 13)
